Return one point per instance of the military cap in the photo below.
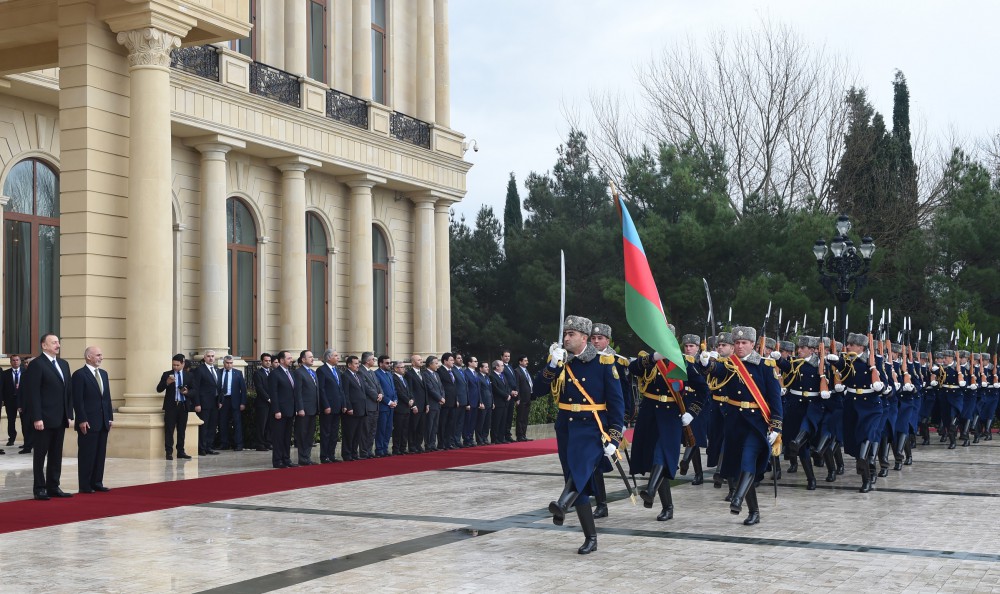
(725, 338)
(601, 330)
(826, 342)
(985, 356)
(744, 333)
(672, 329)
(786, 345)
(947, 353)
(711, 341)
(770, 343)
(809, 341)
(690, 339)
(963, 353)
(897, 348)
(578, 323)
(857, 339)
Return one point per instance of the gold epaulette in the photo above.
(689, 358)
(607, 359)
(622, 360)
(770, 361)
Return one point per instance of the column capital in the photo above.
(294, 163)
(149, 46)
(361, 180)
(425, 196)
(212, 143)
(444, 204)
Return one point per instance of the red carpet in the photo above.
(29, 514)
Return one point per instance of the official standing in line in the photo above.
(332, 401)
(262, 403)
(206, 387)
(306, 407)
(511, 379)
(8, 398)
(11, 385)
(462, 404)
(233, 398)
(354, 417)
(590, 419)
(92, 408)
(524, 385)
(485, 418)
(48, 395)
(501, 400)
(415, 382)
(373, 396)
(449, 409)
(175, 407)
(471, 422)
(282, 391)
(386, 406)
(435, 402)
(405, 410)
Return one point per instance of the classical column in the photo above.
(425, 60)
(295, 36)
(424, 286)
(442, 272)
(149, 263)
(294, 298)
(360, 300)
(361, 46)
(343, 57)
(214, 314)
(442, 68)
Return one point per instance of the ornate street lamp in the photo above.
(843, 268)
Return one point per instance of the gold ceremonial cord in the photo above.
(787, 378)
(715, 385)
(848, 370)
(597, 417)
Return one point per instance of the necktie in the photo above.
(58, 369)
(289, 377)
(336, 377)
(527, 376)
(312, 374)
(100, 385)
(178, 384)
(452, 375)
(228, 382)
(17, 379)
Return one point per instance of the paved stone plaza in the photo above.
(931, 527)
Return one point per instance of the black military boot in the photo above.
(924, 429)
(863, 468)
(952, 435)
(566, 500)
(807, 467)
(838, 456)
(732, 490)
(668, 502)
(883, 456)
(586, 516)
(793, 467)
(975, 429)
(908, 452)
(647, 494)
(965, 434)
(686, 460)
(795, 444)
(699, 474)
(744, 484)
(754, 516)
(600, 496)
(902, 441)
(831, 466)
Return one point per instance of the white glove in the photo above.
(907, 387)
(878, 386)
(961, 384)
(973, 386)
(935, 368)
(838, 387)
(775, 355)
(933, 383)
(772, 436)
(686, 419)
(825, 394)
(657, 357)
(784, 391)
(984, 385)
(833, 358)
(609, 450)
(887, 391)
(996, 385)
(704, 359)
(897, 385)
(714, 354)
(556, 354)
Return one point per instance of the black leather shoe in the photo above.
(237, 449)
(213, 453)
(666, 514)
(101, 489)
(260, 449)
(291, 465)
(752, 518)
(24, 451)
(183, 456)
(170, 457)
(324, 460)
(10, 441)
(41, 495)
(59, 493)
(601, 511)
(86, 491)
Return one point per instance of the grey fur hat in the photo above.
(578, 323)
(860, 340)
(601, 330)
(690, 339)
(744, 333)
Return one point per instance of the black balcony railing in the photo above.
(346, 108)
(403, 127)
(275, 84)
(199, 60)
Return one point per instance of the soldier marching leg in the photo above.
(902, 441)
(965, 433)
(952, 434)
(883, 456)
(699, 475)
(647, 494)
(831, 465)
(838, 456)
(686, 460)
(744, 484)
(908, 453)
(667, 501)
(717, 475)
(863, 469)
(559, 507)
(600, 496)
(586, 516)
(807, 467)
(754, 516)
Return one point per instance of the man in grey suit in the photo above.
(373, 395)
(435, 400)
(306, 407)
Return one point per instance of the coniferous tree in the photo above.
(513, 221)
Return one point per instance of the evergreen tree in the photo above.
(513, 222)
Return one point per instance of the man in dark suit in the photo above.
(92, 408)
(449, 410)
(501, 398)
(471, 420)
(523, 400)
(205, 387)
(373, 396)
(462, 397)
(405, 409)
(233, 395)
(175, 406)
(48, 399)
(386, 406)
(11, 386)
(282, 390)
(435, 401)
(262, 403)
(306, 407)
(511, 379)
(354, 416)
(331, 398)
(485, 418)
(415, 383)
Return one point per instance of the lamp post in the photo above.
(843, 268)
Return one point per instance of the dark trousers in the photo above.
(460, 415)
(93, 450)
(230, 415)
(470, 423)
(11, 408)
(206, 432)
(281, 440)
(497, 431)
(508, 421)
(523, 412)
(431, 428)
(305, 430)
(401, 430)
(417, 429)
(263, 409)
(368, 433)
(483, 425)
(27, 432)
(329, 427)
(48, 444)
(175, 418)
(352, 427)
(446, 427)
(384, 431)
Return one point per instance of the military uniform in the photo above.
(928, 398)
(953, 391)
(991, 398)
(696, 388)
(970, 396)
(888, 370)
(621, 368)
(716, 417)
(909, 405)
(803, 411)
(862, 409)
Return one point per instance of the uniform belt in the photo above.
(582, 407)
(718, 398)
(950, 386)
(658, 397)
(689, 389)
(860, 391)
(805, 394)
(743, 403)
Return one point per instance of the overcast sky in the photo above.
(517, 64)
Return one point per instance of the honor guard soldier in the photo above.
(754, 419)
(890, 407)
(589, 423)
(600, 337)
(803, 408)
(717, 410)
(862, 406)
(968, 386)
(952, 389)
(928, 396)
(992, 398)
(909, 408)
(690, 344)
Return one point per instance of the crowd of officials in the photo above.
(373, 407)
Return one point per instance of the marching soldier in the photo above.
(601, 339)
(804, 412)
(968, 386)
(754, 418)
(952, 389)
(909, 406)
(862, 405)
(589, 422)
(690, 344)
(717, 412)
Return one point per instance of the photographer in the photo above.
(175, 406)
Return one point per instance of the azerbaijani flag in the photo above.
(643, 308)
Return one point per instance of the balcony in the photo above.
(347, 108)
(403, 127)
(199, 60)
(275, 84)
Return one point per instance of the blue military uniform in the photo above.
(953, 397)
(803, 411)
(863, 413)
(715, 417)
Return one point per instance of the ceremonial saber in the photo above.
(562, 295)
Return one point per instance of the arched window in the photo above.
(241, 235)
(380, 284)
(31, 253)
(316, 261)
